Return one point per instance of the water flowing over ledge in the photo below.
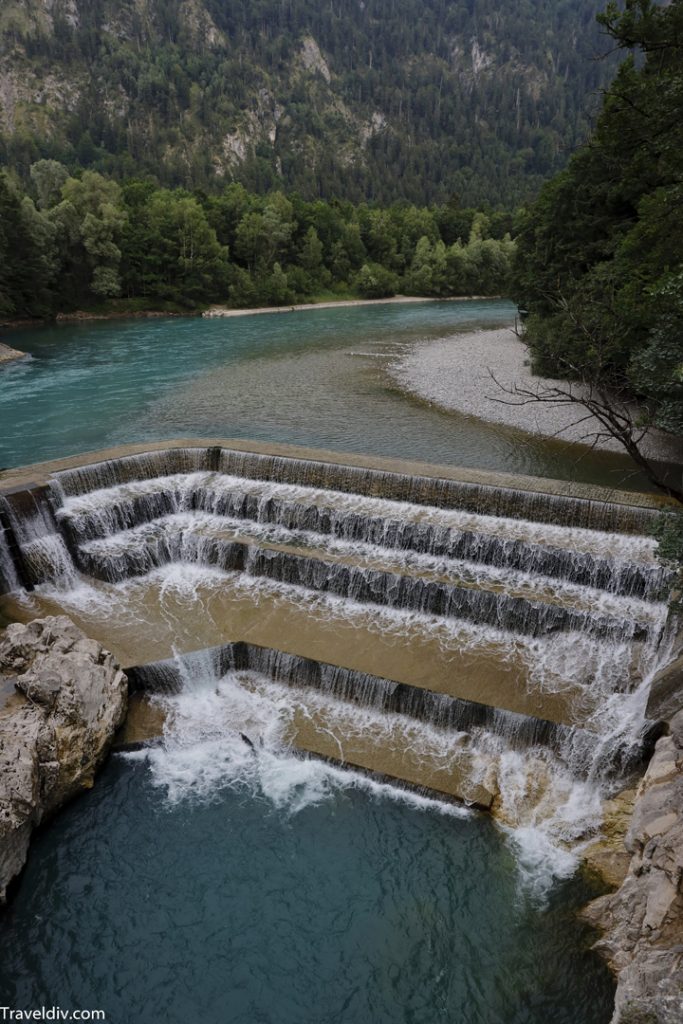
(468, 589)
(483, 491)
(192, 671)
(465, 634)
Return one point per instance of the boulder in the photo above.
(8, 355)
(71, 697)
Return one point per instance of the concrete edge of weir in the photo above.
(38, 474)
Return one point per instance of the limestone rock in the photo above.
(72, 698)
(643, 921)
(8, 355)
(607, 856)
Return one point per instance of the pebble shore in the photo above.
(226, 311)
(456, 373)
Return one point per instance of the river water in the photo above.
(314, 378)
(307, 900)
(202, 880)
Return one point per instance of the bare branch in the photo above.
(609, 405)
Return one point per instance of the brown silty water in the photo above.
(541, 603)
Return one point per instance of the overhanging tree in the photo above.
(600, 254)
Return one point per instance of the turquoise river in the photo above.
(316, 378)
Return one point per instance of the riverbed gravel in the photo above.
(457, 374)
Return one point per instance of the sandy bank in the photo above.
(455, 374)
(81, 315)
(224, 311)
(8, 355)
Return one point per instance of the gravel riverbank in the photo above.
(225, 311)
(455, 374)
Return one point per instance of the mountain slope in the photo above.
(362, 99)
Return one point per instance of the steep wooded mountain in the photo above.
(356, 99)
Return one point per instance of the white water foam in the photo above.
(544, 811)
(204, 752)
(620, 546)
(549, 806)
(192, 527)
(562, 662)
(9, 581)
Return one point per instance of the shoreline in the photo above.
(217, 311)
(226, 311)
(81, 315)
(116, 314)
(455, 374)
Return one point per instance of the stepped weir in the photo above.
(432, 625)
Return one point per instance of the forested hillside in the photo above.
(357, 99)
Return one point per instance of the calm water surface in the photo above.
(358, 909)
(314, 378)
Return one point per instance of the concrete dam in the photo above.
(477, 636)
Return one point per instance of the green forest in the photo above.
(89, 242)
(599, 261)
(379, 101)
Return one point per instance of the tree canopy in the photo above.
(599, 262)
(81, 241)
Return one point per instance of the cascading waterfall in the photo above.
(234, 712)
(42, 552)
(568, 589)
(441, 493)
(180, 674)
(9, 580)
(231, 502)
(359, 584)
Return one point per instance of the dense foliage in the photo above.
(376, 100)
(83, 241)
(600, 258)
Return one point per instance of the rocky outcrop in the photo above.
(8, 355)
(607, 857)
(69, 698)
(643, 920)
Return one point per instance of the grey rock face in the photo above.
(643, 920)
(71, 696)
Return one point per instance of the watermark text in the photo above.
(50, 1013)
